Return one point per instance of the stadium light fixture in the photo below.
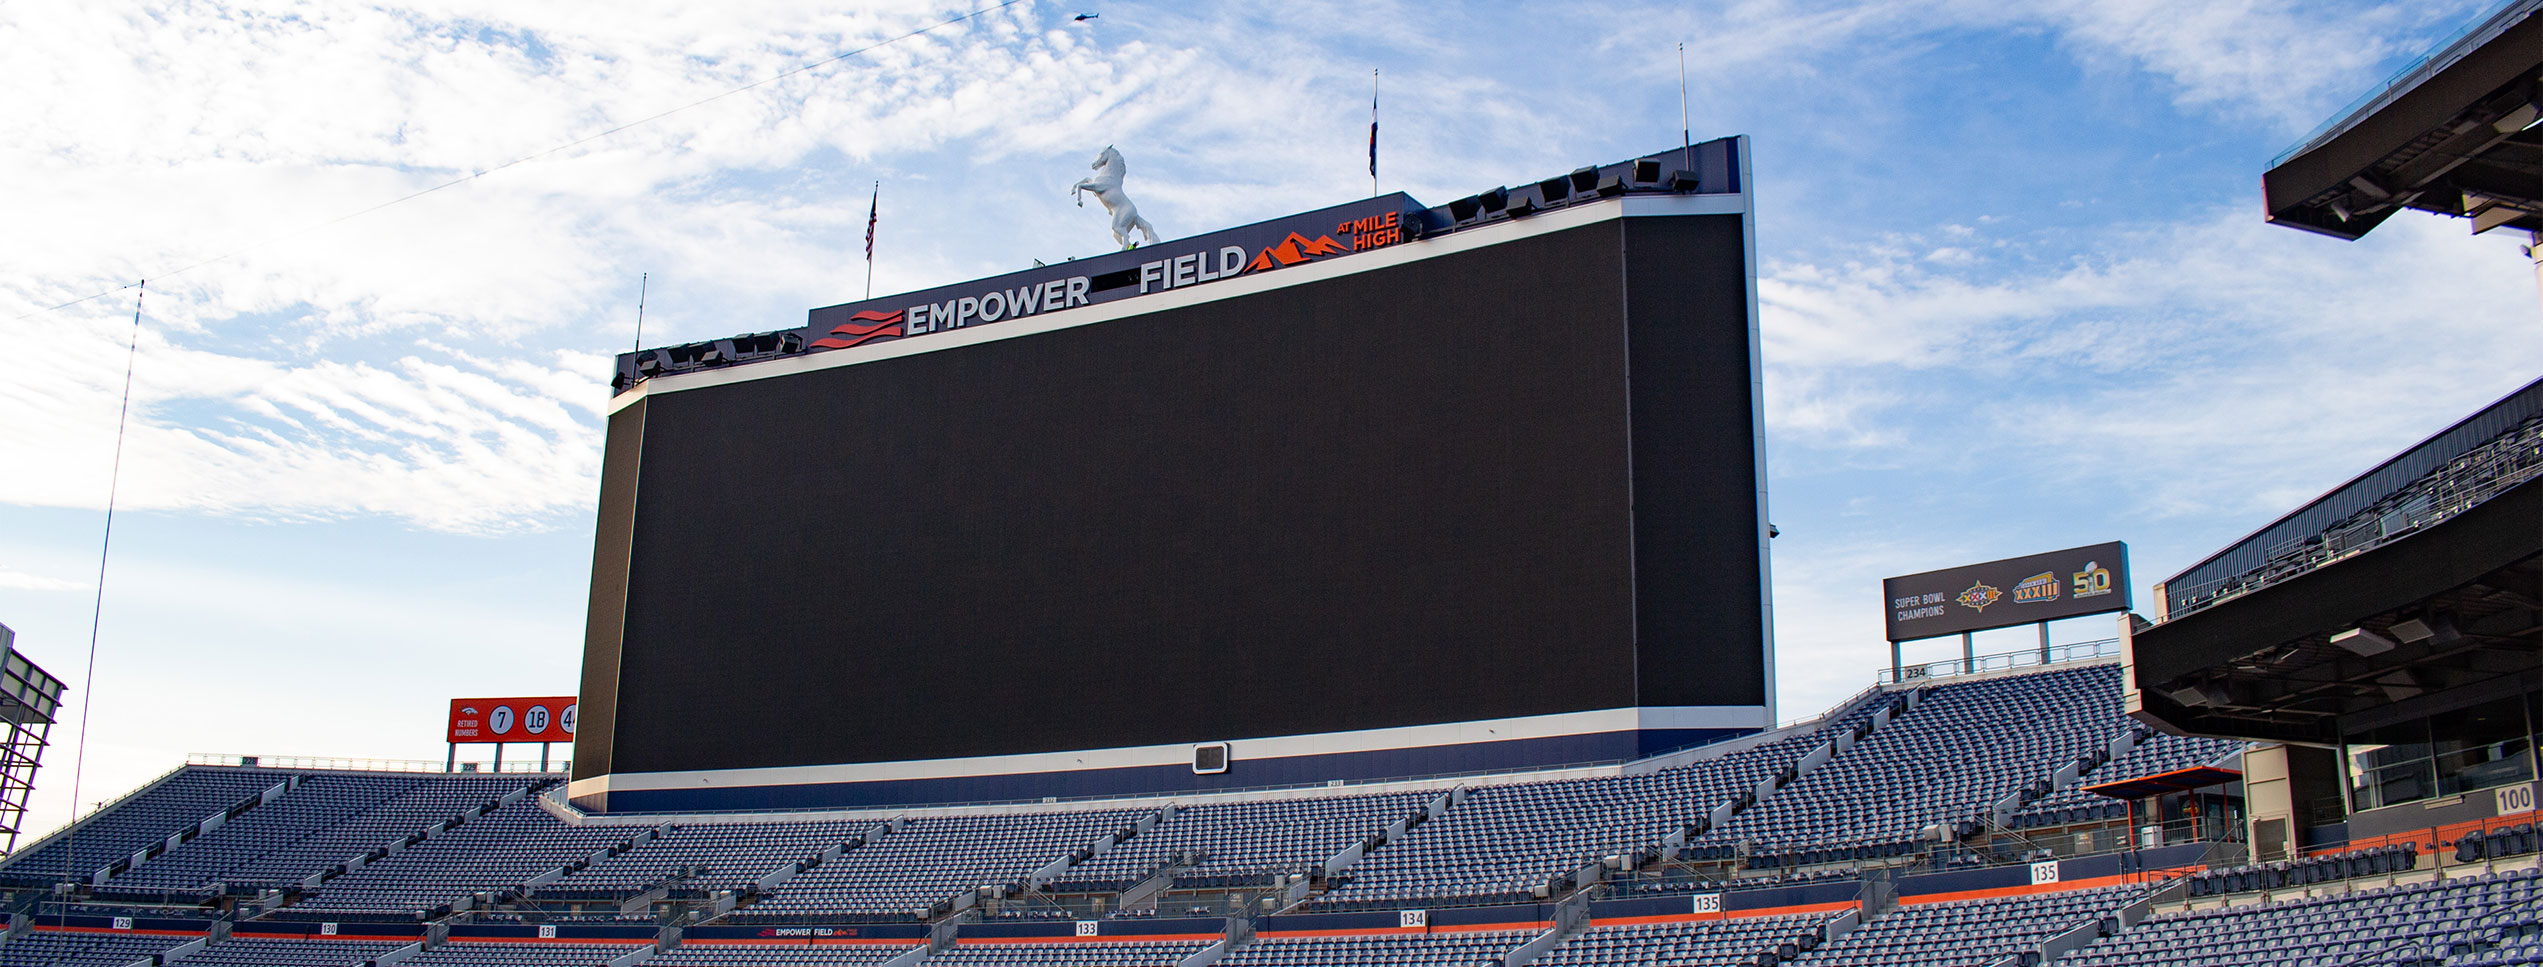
(2401, 685)
(2518, 120)
(2427, 628)
(2363, 643)
(2205, 694)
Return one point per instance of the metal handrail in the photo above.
(1074, 803)
(2073, 652)
(2462, 484)
(358, 764)
(100, 810)
(2476, 31)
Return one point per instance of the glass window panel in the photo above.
(2485, 724)
(2483, 767)
(2394, 784)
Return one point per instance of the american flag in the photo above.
(870, 210)
(1372, 124)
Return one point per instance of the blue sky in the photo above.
(2016, 290)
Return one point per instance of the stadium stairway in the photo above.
(1959, 762)
(1270, 849)
(329, 821)
(944, 867)
(727, 865)
(2021, 915)
(1852, 789)
(466, 863)
(1546, 839)
(178, 807)
(2489, 916)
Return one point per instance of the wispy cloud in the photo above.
(2192, 356)
(439, 365)
(22, 581)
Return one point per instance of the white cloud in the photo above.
(2277, 60)
(2280, 62)
(439, 364)
(22, 581)
(2177, 387)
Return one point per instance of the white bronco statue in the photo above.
(1106, 184)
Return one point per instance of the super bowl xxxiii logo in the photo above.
(1979, 596)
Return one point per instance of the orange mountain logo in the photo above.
(1293, 250)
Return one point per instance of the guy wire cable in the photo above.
(88, 702)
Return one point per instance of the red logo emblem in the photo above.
(1293, 250)
(863, 326)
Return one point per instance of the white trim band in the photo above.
(1180, 753)
(1573, 216)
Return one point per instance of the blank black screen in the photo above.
(1390, 498)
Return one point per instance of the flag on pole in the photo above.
(1373, 126)
(870, 210)
(872, 206)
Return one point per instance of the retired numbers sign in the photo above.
(512, 719)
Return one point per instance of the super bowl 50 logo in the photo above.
(2093, 581)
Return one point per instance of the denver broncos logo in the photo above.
(863, 326)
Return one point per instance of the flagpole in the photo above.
(872, 207)
(1686, 132)
(1373, 132)
(641, 279)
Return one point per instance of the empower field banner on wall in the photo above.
(548, 719)
(2014, 591)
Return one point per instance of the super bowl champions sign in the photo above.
(1257, 248)
(2015, 591)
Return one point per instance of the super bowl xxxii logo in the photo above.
(2093, 581)
(1979, 596)
(2040, 588)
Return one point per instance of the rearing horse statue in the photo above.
(1106, 184)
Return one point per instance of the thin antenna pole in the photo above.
(1686, 131)
(641, 279)
(105, 543)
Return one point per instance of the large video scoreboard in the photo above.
(1484, 494)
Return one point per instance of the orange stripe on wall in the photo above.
(617, 941)
(1098, 939)
(2428, 837)
(2060, 886)
(1364, 932)
(1790, 911)
(801, 941)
